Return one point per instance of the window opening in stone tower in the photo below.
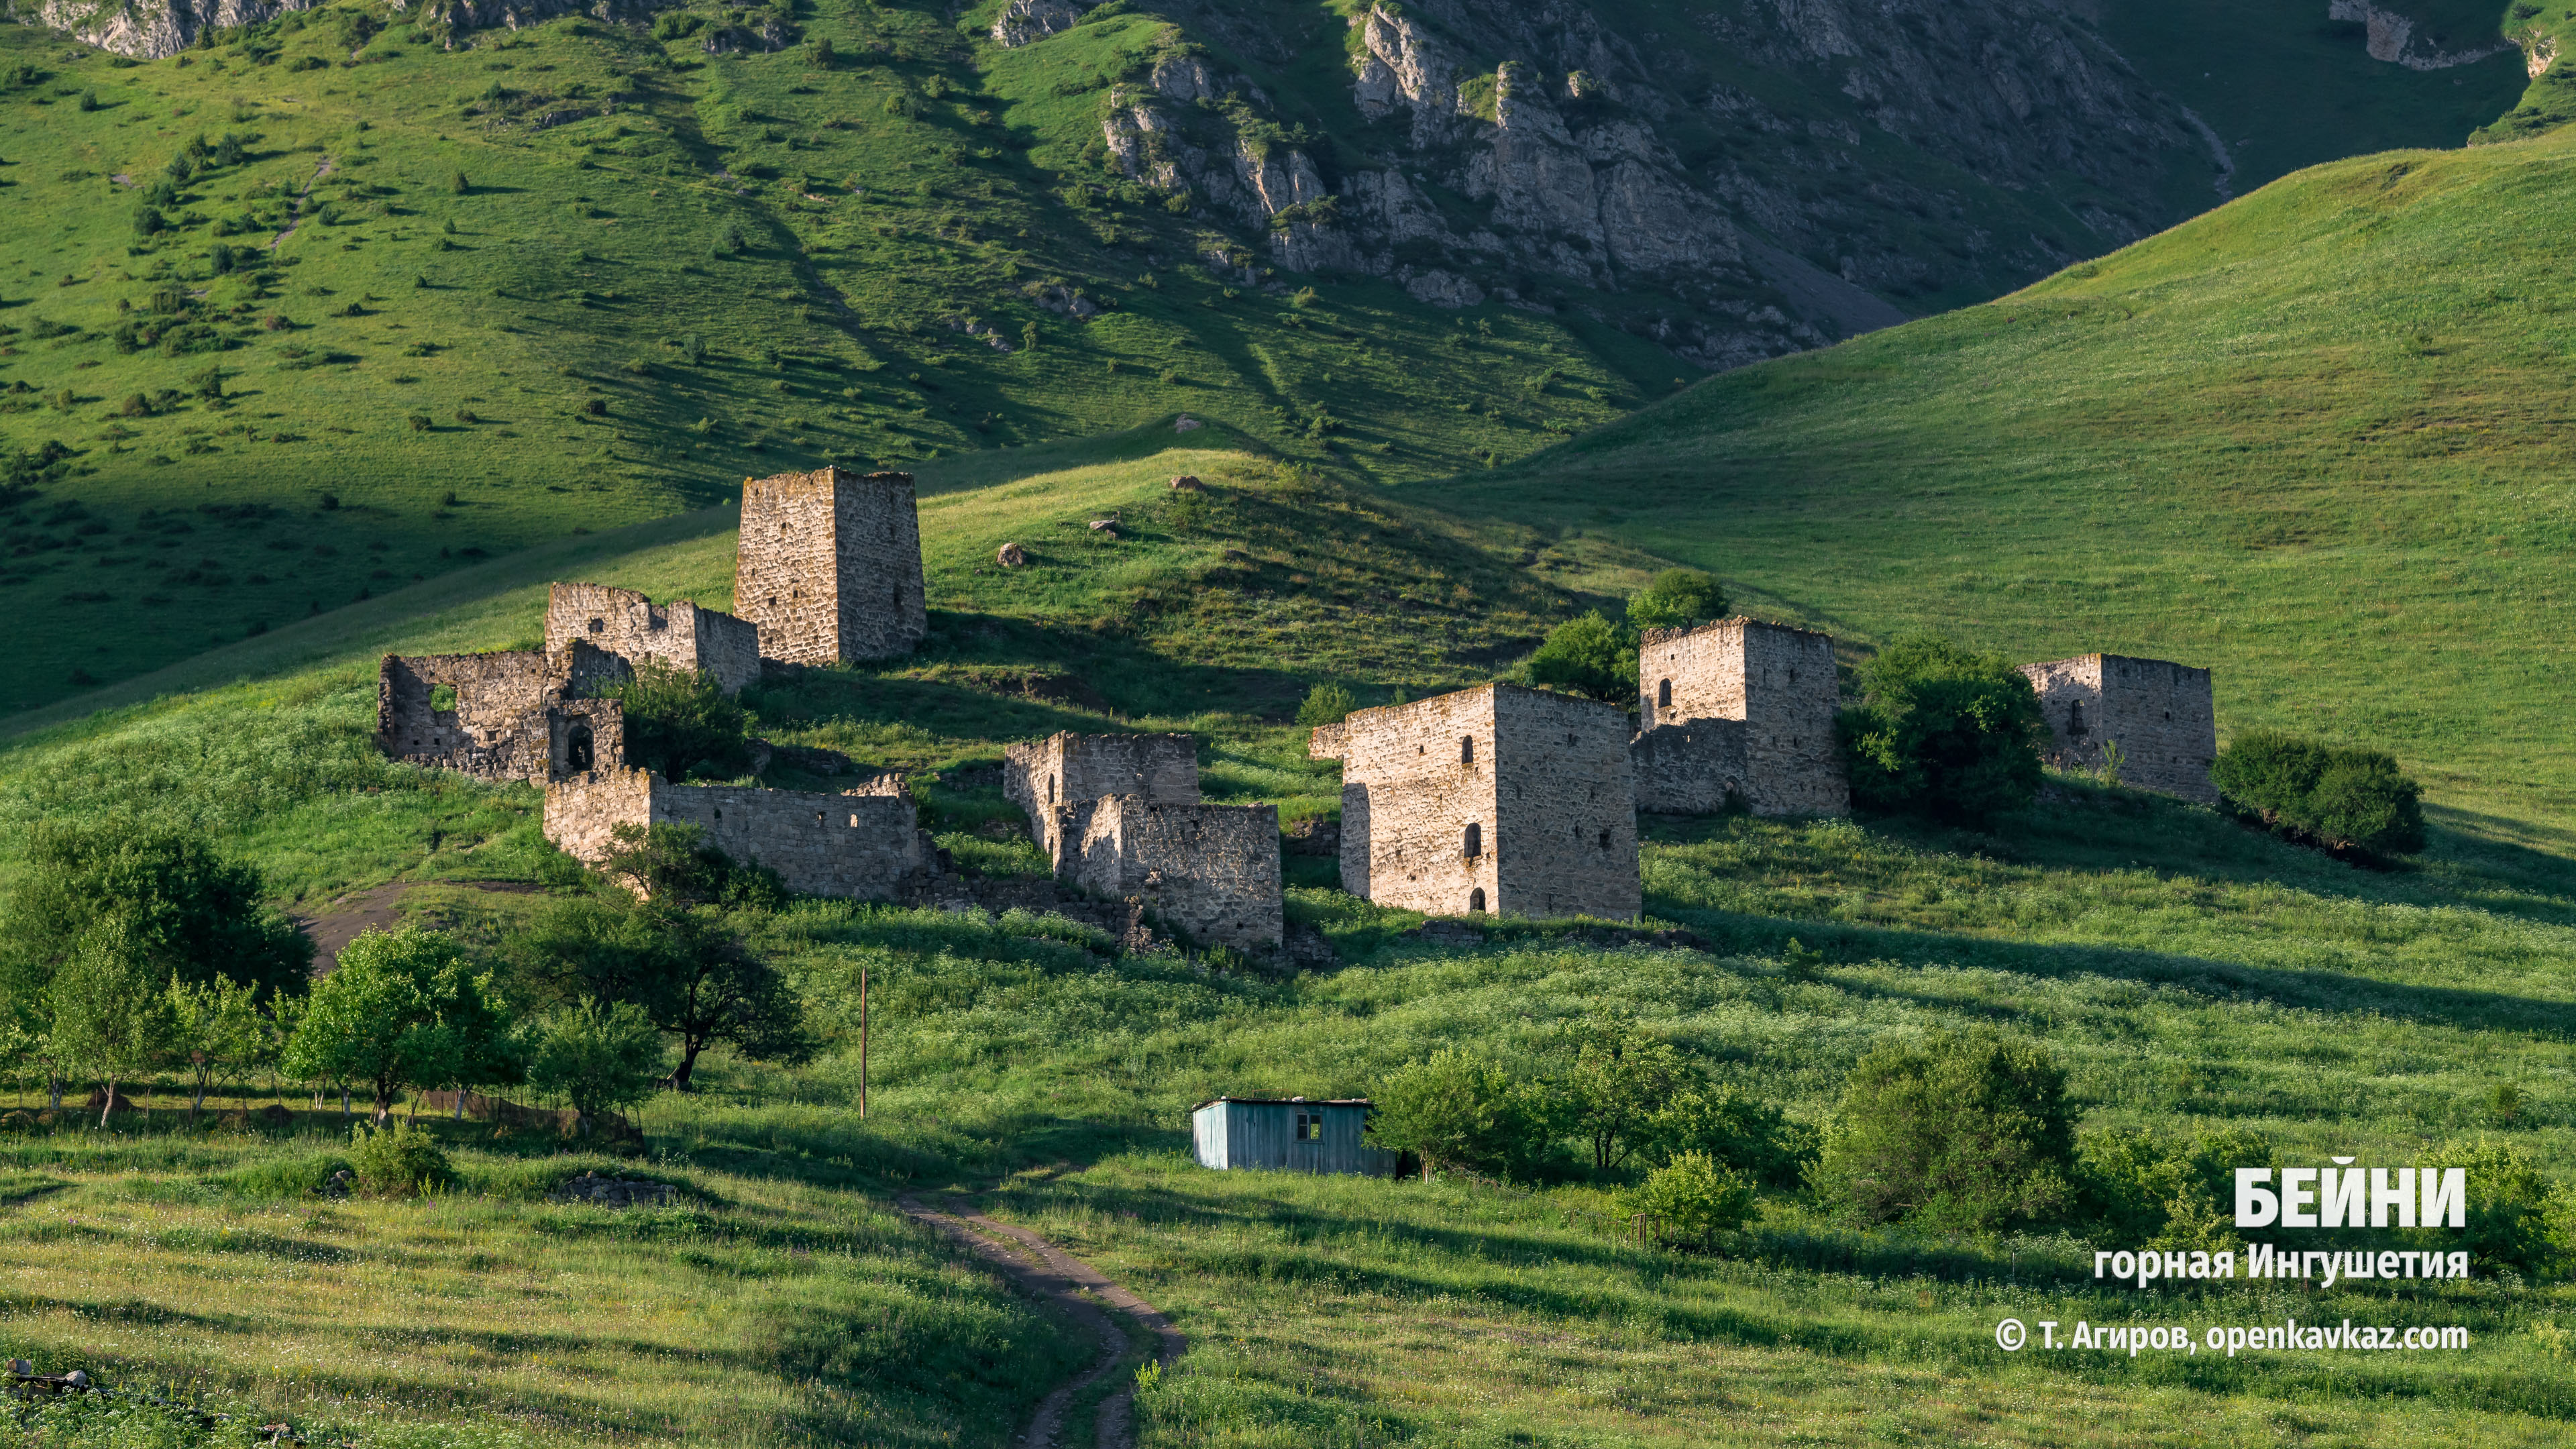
(1467, 750)
(1663, 694)
(1476, 899)
(577, 748)
(599, 626)
(1475, 844)
(2075, 718)
(1605, 840)
(1050, 789)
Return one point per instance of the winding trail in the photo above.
(295, 208)
(1047, 1271)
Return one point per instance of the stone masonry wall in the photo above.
(1211, 871)
(1045, 777)
(1539, 777)
(828, 566)
(1690, 768)
(498, 729)
(2163, 714)
(585, 739)
(1779, 681)
(859, 846)
(634, 628)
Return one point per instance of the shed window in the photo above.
(1474, 844)
(1476, 899)
(1663, 694)
(1310, 1127)
(1467, 749)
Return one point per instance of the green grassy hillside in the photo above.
(2310, 440)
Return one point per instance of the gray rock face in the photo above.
(155, 30)
(1024, 21)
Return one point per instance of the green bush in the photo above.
(283, 1176)
(1735, 1131)
(1325, 704)
(679, 723)
(1677, 599)
(1693, 1200)
(598, 1058)
(2344, 798)
(1458, 1110)
(1943, 732)
(398, 1161)
(2514, 1219)
(1967, 1132)
(1589, 656)
(2169, 1193)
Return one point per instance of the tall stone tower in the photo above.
(1741, 707)
(829, 566)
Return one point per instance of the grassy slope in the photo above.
(583, 257)
(2308, 440)
(2180, 966)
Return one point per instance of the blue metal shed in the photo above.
(1290, 1134)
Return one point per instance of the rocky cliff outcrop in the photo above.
(153, 29)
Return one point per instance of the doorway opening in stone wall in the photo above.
(1476, 899)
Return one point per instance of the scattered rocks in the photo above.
(1024, 21)
(1187, 424)
(1106, 527)
(339, 1184)
(592, 1190)
(1011, 556)
(1188, 483)
(98, 1101)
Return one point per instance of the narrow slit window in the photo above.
(1474, 844)
(1467, 749)
(1605, 840)
(1663, 694)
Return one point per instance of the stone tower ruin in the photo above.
(634, 628)
(1740, 708)
(2162, 714)
(1049, 776)
(829, 566)
(1496, 798)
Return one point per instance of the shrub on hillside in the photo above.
(1944, 732)
(678, 722)
(1325, 704)
(1967, 1132)
(2344, 798)
(599, 1058)
(1734, 1130)
(2168, 1193)
(1693, 1201)
(2515, 1220)
(1589, 656)
(198, 914)
(1460, 1111)
(1678, 599)
(397, 1161)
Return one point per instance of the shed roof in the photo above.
(1289, 1102)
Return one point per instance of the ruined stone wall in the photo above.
(1690, 768)
(498, 728)
(633, 627)
(2163, 714)
(1045, 777)
(1541, 778)
(1779, 681)
(858, 847)
(585, 739)
(828, 566)
(1210, 871)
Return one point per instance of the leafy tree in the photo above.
(402, 1009)
(2346, 798)
(187, 906)
(111, 1013)
(1621, 1076)
(216, 1027)
(2514, 1219)
(1459, 1111)
(1733, 1130)
(2169, 1193)
(1326, 703)
(1590, 656)
(1943, 732)
(599, 1058)
(678, 721)
(1968, 1132)
(1678, 599)
(1693, 1200)
(677, 954)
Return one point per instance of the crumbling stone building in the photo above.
(511, 715)
(2162, 714)
(634, 628)
(1209, 871)
(1739, 708)
(1496, 798)
(1046, 777)
(828, 566)
(863, 845)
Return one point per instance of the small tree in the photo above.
(1590, 656)
(678, 721)
(599, 1058)
(216, 1027)
(1943, 732)
(1621, 1076)
(111, 1014)
(1326, 703)
(402, 1009)
(1678, 599)
(1963, 1133)
(1460, 1111)
(1731, 1129)
(459, 185)
(1693, 1200)
(204, 916)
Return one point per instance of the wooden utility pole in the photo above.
(863, 1043)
